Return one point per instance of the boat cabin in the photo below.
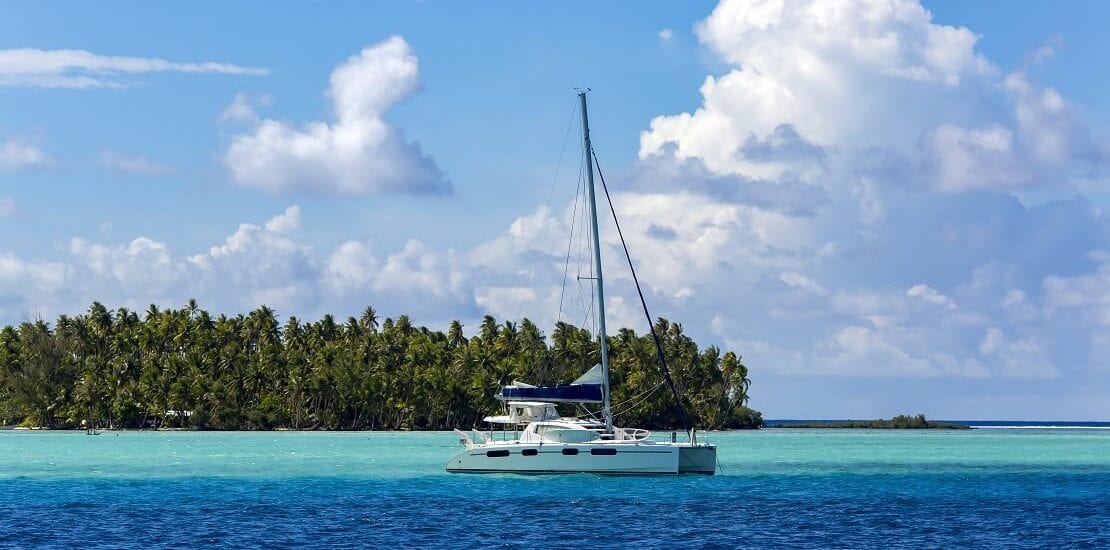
(523, 412)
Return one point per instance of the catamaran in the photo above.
(545, 442)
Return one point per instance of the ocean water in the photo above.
(776, 488)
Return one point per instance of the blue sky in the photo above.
(888, 208)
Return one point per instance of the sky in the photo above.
(885, 206)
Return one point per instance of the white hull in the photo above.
(642, 457)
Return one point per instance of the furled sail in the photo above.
(588, 388)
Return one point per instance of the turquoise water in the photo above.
(800, 488)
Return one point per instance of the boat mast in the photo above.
(607, 413)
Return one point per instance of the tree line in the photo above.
(900, 422)
(184, 368)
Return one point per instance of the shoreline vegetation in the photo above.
(900, 422)
(185, 369)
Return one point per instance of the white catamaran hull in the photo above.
(599, 458)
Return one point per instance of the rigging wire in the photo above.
(639, 399)
(570, 244)
(589, 320)
(547, 207)
(643, 302)
(589, 413)
(585, 247)
(647, 391)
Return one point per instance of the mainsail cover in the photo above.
(587, 388)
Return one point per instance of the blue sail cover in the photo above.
(578, 393)
(588, 388)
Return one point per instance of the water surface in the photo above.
(798, 488)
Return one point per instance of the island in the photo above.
(189, 369)
(900, 422)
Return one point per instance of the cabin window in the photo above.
(603, 451)
(529, 452)
(570, 451)
(497, 453)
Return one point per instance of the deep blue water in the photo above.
(803, 489)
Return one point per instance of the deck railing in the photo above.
(631, 434)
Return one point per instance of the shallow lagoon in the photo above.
(803, 488)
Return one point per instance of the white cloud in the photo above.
(843, 159)
(7, 207)
(286, 222)
(832, 72)
(29, 287)
(351, 266)
(357, 153)
(417, 271)
(252, 266)
(1053, 135)
(414, 279)
(243, 108)
(797, 280)
(263, 263)
(1014, 297)
(992, 341)
(874, 79)
(861, 126)
(80, 69)
(17, 155)
(1045, 52)
(239, 109)
(1087, 295)
(977, 158)
(931, 295)
(666, 35)
(137, 165)
(1024, 358)
(143, 264)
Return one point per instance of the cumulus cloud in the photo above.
(840, 77)
(286, 222)
(28, 287)
(254, 265)
(356, 153)
(257, 263)
(974, 158)
(17, 155)
(862, 149)
(81, 69)
(669, 173)
(665, 35)
(244, 107)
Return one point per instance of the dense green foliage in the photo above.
(900, 422)
(120, 369)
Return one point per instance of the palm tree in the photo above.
(120, 369)
(369, 319)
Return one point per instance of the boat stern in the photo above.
(697, 459)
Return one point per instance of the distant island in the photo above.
(900, 422)
(186, 369)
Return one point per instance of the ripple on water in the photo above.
(388, 490)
